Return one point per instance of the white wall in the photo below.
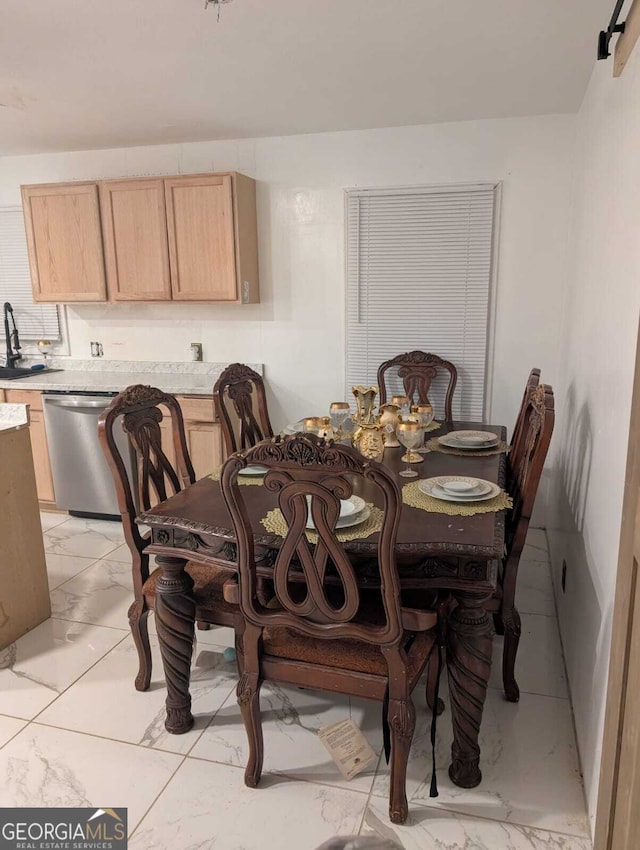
(297, 330)
(599, 331)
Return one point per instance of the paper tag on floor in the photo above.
(348, 747)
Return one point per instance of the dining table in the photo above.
(434, 551)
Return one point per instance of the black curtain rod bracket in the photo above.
(606, 35)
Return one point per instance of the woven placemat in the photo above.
(246, 480)
(413, 496)
(434, 446)
(275, 523)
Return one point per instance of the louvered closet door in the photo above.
(34, 321)
(419, 264)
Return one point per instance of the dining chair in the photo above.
(524, 469)
(418, 370)
(241, 406)
(151, 477)
(532, 382)
(320, 630)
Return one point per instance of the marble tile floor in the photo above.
(73, 731)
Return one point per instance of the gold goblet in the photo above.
(339, 413)
(410, 434)
(425, 416)
(312, 424)
(403, 403)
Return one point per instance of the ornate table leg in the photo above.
(469, 643)
(175, 612)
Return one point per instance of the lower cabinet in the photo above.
(205, 446)
(40, 449)
(202, 433)
(38, 434)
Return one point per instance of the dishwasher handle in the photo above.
(78, 403)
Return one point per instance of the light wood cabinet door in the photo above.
(166, 434)
(40, 450)
(200, 225)
(39, 445)
(205, 446)
(64, 241)
(134, 227)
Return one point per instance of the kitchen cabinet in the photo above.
(64, 242)
(204, 441)
(203, 238)
(135, 240)
(39, 446)
(202, 432)
(185, 238)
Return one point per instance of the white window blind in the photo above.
(419, 264)
(34, 321)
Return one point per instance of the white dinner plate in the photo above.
(352, 506)
(455, 441)
(348, 507)
(431, 487)
(346, 521)
(462, 485)
(253, 471)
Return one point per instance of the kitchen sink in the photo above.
(13, 373)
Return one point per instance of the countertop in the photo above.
(13, 416)
(113, 376)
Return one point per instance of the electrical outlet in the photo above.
(96, 349)
(196, 352)
(563, 580)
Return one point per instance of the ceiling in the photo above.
(78, 74)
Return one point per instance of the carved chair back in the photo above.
(526, 462)
(241, 406)
(418, 370)
(310, 478)
(137, 410)
(532, 382)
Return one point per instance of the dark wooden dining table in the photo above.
(459, 554)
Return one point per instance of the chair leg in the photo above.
(432, 681)
(248, 693)
(138, 613)
(512, 631)
(402, 721)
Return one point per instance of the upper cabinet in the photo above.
(188, 238)
(201, 238)
(64, 241)
(134, 228)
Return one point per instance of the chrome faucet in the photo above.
(11, 337)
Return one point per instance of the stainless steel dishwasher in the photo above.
(82, 479)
